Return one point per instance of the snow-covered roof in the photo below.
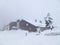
(34, 23)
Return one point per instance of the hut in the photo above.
(22, 24)
(27, 26)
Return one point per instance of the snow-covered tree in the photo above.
(48, 21)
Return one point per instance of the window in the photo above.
(27, 24)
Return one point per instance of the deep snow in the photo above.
(18, 37)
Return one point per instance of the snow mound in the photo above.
(54, 32)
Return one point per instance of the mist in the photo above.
(11, 10)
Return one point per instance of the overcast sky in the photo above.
(11, 10)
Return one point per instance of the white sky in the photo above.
(11, 10)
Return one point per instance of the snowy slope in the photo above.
(18, 37)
